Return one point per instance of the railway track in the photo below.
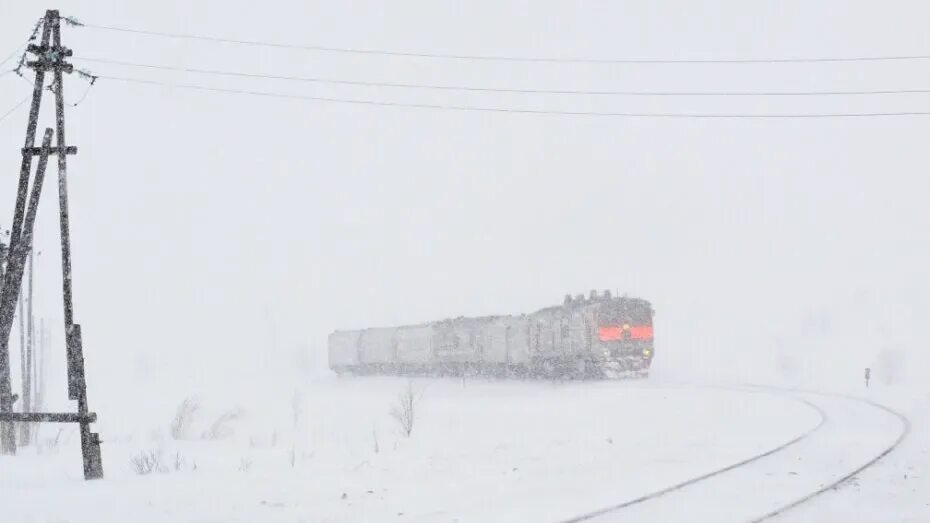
(906, 429)
(741, 471)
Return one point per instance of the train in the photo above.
(598, 336)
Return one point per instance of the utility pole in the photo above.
(77, 388)
(50, 56)
(26, 340)
(22, 361)
(30, 384)
(38, 375)
(9, 296)
(7, 433)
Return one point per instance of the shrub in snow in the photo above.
(50, 444)
(222, 427)
(180, 463)
(147, 462)
(183, 418)
(404, 411)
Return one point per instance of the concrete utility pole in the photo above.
(50, 56)
(27, 350)
(21, 307)
(40, 344)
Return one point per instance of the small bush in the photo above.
(221, 429)
(147, 462)
(183, 418)
(404, 411)
(180, 463)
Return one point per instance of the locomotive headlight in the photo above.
(647, 352)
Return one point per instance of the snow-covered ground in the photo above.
(479, 451)
(897, 488)
(485, 451)
(853, 432)
(304, 446)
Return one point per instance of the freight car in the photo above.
(597, 336)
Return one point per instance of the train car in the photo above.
(597, 336)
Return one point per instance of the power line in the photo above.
(23, 78)
(13, 109)
(19, 50)
(364, 83)
(90, 85)
(528, 59)
(13, 54)
(507, 109)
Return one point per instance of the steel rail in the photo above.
(714, 473)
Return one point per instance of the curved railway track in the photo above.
(708, 475)
(619, 509)
(906, 429)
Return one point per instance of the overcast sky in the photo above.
(208, 224)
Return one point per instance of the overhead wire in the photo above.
(502, 58)
(469, 88)
(490, 109)
(21, 52)
(498, 109)
(91, 81)
(13, 109)
(15, 53)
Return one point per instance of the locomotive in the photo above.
(600, 336)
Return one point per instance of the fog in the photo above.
(221, 235)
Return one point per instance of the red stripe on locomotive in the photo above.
(610, 333)
(641, 332)
(615, 332)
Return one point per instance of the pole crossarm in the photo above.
(50, 58)
(51, 66)
(50, 52)
(36, 151)
(48, 417)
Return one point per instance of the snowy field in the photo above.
(897, 488)
(479, 451)
(252, 176)
(302, 445)
(852, 433)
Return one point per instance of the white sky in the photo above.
(202, 222)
